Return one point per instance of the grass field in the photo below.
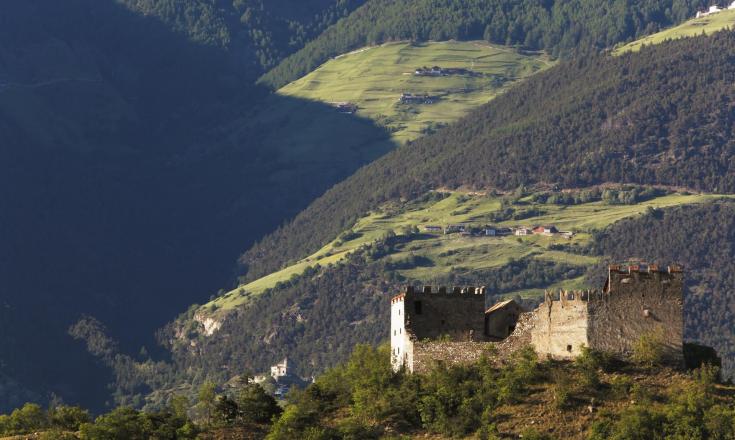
(696, 26)
(446, 252)
(374, 78)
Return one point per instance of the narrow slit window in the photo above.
(569, 348)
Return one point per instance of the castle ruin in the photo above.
(454, 326)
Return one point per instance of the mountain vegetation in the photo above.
(556, 26)
(256, 33)
(655, 117)
(592, 398)
(708, 24)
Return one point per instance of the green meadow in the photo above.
(696, 26)
(374, 78)
(453, 251)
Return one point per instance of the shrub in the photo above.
(533, 434)
(561, 389)
(648, 350)
(514, 378)
(589, 362)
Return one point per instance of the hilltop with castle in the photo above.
(455, 326)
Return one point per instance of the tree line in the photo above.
(556, 26)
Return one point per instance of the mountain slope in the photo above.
(556, 26)
(585, 122)
(256, 33)
(131, 162)
(691, 28)
(374, 78)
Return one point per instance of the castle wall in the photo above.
(427, 353)
(561, 325)
(453, 316)
(636, 303)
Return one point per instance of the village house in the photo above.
(545, 230)
(280, 369)
(440, 71)
(408, 98)
(451, 229)
(490, 231)
(714, 9)
(454, 326)
(433, 228)
(348, 108)
(522, 231)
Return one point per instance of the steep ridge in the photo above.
(132, 162)
(660, 116)
(557, 26)
(707, 24)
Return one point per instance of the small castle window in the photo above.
(569, 348)
(417, 307)
(394, 332)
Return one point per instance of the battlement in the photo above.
(643, 267)
(564, 296)
(444, 290)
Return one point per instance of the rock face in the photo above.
(451, 325)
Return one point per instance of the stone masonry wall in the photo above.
(636, 303)
(458, 316)
(561, 325)
(426, 353)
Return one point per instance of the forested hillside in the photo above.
(557, 26)
(132, 161)
(256, 33)
(661, 116)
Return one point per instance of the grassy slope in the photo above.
(691, 28)
(374, 78)
(471, 253)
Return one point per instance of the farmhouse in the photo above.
(440, 71)
(408, 98)
(714, 9)
(348, 108)
(453, 325)
(432, 228)
(454, 228)
(522, 231)
(545, 230)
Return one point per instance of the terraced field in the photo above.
(442, 253)
(696, 26)
(374, 78)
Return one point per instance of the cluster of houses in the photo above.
(408, 98)
(441, 71)
(347, 108)
(493, 231)
(714, 9)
